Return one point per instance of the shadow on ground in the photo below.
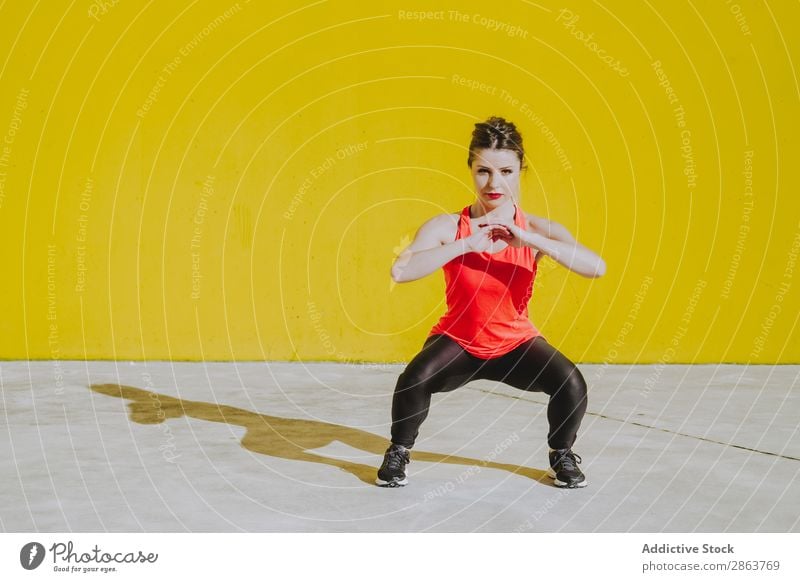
(286, 438)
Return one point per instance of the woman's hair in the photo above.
(498, 134)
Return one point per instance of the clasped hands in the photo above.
(508, 232)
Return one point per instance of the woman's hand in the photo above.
(481, 240)
(508, 232)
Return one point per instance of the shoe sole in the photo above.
(393, 483)
(563, 484)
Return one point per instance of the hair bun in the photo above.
(496, 133)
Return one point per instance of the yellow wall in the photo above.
(283, 152)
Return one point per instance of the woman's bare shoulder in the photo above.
(532, 218)
(537, 223)
(549, 228)
(442, 228)
(446, 225)
(448, 219)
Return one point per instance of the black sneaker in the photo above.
(393, 470)
(564, 469)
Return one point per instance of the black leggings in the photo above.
(443, 365)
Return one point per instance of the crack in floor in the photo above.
(666, 430)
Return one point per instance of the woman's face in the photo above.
(495, 174)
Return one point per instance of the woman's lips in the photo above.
(494, 195)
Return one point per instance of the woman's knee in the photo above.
(417, 379)
(573, 387)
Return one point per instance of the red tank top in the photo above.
(487, 296)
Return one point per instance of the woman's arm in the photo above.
(433, 246)
(555, 241)
(559, 244)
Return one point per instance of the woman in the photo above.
(490, 252)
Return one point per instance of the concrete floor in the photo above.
(285, 447)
